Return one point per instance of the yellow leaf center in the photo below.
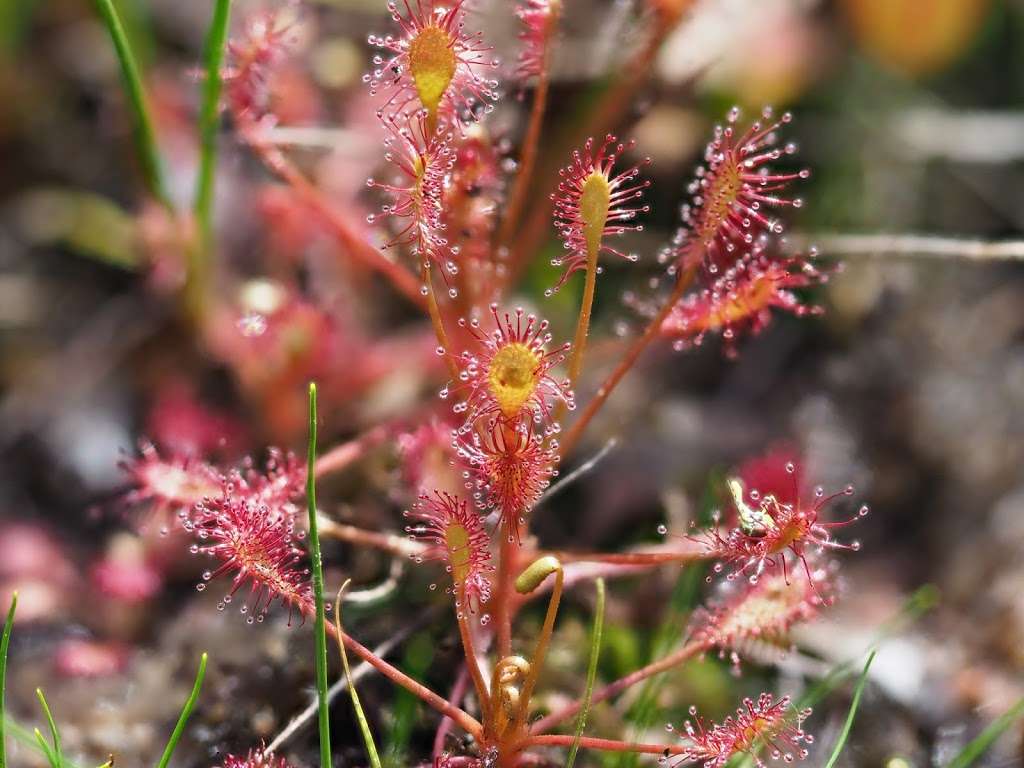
(751, 298)
(594, 202)
(456, 540)
(513, 376)
(720, 199)
(432, 65)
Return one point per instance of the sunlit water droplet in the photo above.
(252, 324)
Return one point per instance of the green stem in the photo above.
(579, 343)
(56, 755)
(209, 122)
(5, 642)
(595, 651)
(357, 707)
(848, 725)
(145, 136)
(318, 590)
(541, 649)
(186, 712)
(977, 747)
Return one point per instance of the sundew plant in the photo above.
(458, 300)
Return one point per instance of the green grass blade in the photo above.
(41, 741)
(595, 652)
(318, 590)
(364, 726)
(848, 725)
(209, 115)
(26, 738)
(145, 135)
(56, 755)
(5, 642)
(186, 712)
(980, 745)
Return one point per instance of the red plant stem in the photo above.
(607, 745)
(395, 675)
(469, 650)
(341, 456)
(603, 118)
(637, 558)
(571, 438)
(531, 758)
(402, 280)
(507, 557)
(438, 322)
(443, 729)
(387, 542)
(616, 100)
(688, 651)
(531, 142)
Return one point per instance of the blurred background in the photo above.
(910, 114)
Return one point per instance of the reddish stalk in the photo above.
(616, 100)
(641, 343)
(395, 675)
(603, 118)
(341, 456)
(507, 557)
(445, 727)
(402, 280)
(582, 329)
(607, 745)
(688, 651)
(391, 543)
(472, 660)
(634, 558)
(438, 322)
(531, 142)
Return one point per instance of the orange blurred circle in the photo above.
(915, 37)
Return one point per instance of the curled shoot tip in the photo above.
(535, 574)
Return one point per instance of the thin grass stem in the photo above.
(5, 643)
(324, 715)
(186, 712)
(364, 726)
(595, 652)
(145, 135)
